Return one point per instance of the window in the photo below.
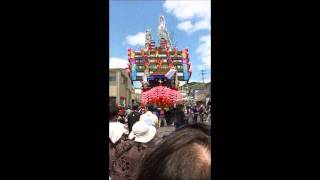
(112, 78)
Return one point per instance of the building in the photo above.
(203, 93)
(121, 89)
(196, 91)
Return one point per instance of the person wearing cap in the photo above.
(142, 132)
(118, 142)
(129, 153)
(150, 118)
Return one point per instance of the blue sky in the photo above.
(188, 20)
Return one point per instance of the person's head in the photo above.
(116, 131)
(135, 107)
(113, 110)
(185, 154)
(149, 107)
(142, 132)
(180, 107)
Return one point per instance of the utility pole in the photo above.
(202, 74)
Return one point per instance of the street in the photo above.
(164, 131)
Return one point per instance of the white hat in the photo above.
(142, 132)
(116, 130)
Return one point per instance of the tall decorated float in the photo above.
(159, 69)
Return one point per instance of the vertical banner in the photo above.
(134, 72)
(185, 69)
(185, 72)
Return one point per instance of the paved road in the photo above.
(164, 131)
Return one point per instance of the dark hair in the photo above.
(179, 107)
(149, 107)
(135, 107)
(185, 154)
(113, 110)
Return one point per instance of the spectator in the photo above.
(157, 112)
(130, 152)
(118, 143)
(144, 135)
(149, 118)
(128, 111)
(185, 155)
(133, 117)
(113, 110)
(142, 110)
(179, 117)
(121, 111)
(188, 114)
(121, 115)
(198, 111)
(168, 115)
(162, 118)
(142, 132)
(116, 130)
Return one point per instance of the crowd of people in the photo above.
(138, 152)
(176, 116)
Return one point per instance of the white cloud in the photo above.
(137, 39)
(184, 10)
(188, 27)
(199, 11)
(204, 50)
(203, 24)
(116, 62)
(185, 26)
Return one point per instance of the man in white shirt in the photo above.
(150, 118)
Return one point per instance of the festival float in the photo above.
(159, 68)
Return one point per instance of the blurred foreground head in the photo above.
(184, 155)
